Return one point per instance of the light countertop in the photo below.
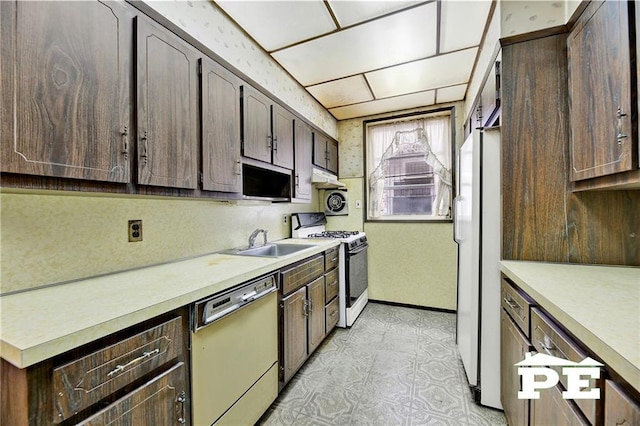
(42, 323)
(599, 305)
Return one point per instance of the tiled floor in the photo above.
(395, 366)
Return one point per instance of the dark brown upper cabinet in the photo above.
(168, 139)
(600, 92)
(268, 129)
(66, 89)
(222, 169)
(282, 146)
(325, 153)
(303, 152)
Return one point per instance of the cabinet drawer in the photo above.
(331, 258)
(332, 315)
(163, 400)
(302, 274)
(331, 285)
(548, 338)
(619, 408)
(517, 305)
(85, 381)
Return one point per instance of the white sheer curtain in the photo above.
(381, 139)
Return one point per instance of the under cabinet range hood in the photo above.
(323, 179)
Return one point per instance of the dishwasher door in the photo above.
(234, 365)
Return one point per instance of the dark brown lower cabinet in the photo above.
(294, 333)
(308, 310)
(133, 377)
(620, 408)
(315, 313)
(161, 401)
(551, 409)
(514, 345)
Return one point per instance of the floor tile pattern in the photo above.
(395, 366)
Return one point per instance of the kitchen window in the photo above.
(408, 167)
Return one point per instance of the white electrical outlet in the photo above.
(285, 219)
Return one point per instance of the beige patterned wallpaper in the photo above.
(205, 22)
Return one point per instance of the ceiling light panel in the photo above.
(451, 94)
(398, 38)
(468, 15)
(414, 100)
(341, 92)
(275, 24)
(352, 12)
(444, 70)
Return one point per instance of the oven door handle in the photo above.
(358, 250)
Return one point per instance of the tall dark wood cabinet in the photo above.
(66, 98)
(602, 142)
(167, 83)
(303, 138)
(294, 338)
(221, 121)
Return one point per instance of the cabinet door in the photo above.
(332, 156)
(167, 108)
(256, 122)
(315, 294)
(619, 408)
(161, 401)
(513, 346)
(221, 168)
(282, 137)
(294, 315)
(551, 409)
(319, 151)
(65, 89)
(600, 91)
(303, 146)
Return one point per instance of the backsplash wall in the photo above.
(55, 238)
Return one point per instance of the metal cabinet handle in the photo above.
(297, 180)
(182, 398)
(238, 168)
(620, 135)
(333, 314)
(275, 143)
(305, 308)
(145, 146)
(144, 355)
(125, 142)
(269, 141)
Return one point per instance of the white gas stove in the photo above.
(353, 278)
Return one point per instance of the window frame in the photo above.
(406, 218)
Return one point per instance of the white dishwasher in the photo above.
(234, 354)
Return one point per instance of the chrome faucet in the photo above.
(254, 235)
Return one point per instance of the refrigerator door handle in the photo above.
(457, 229)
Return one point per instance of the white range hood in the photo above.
(323, 179)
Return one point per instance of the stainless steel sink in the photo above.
(271, 250)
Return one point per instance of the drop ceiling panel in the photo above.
(414, 100)
(351, 12)
(462, 24)
(398, 38)
(445, 70)
(451, 94)
(342, 92)
(275, 24)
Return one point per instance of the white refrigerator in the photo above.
(477, 232)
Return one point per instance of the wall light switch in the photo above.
(358, 204)
(135, 230)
